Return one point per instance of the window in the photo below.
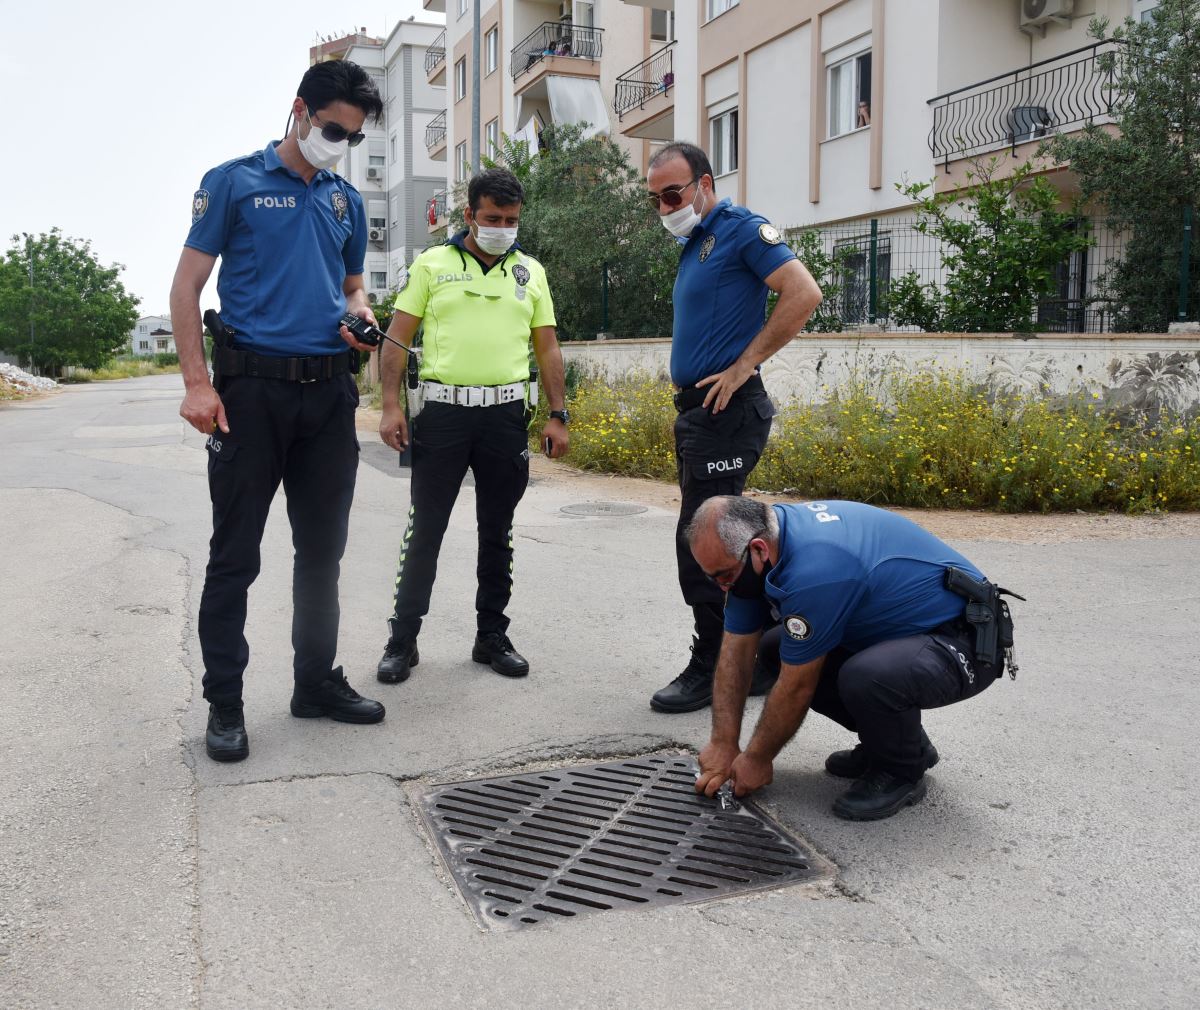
(161, 343)
(143, 345)
(395, 211)
(723, 133)
(377, 222)
(718, 7)
(393, 141)
(662, 26)
(491, 138)
(379, 279)
(375, 159)
(850, 94)
(461, 169)
(852, 259)
(1143, 10)
(462, 7)
(143, 328)
(460, 79)
(492, 48)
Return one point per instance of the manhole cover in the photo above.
(603, 508)
(556, 844)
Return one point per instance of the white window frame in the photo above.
(850, 64)
(460, 162)
(669, 14)
(392, 140)
(715, 8)
(1142, 8)
(723, 142)
(491, 46)
(377, 284)
(462, 7)
(395, 212)
(460, 80)
(491, 138)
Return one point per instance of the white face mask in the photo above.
(494, 241)
(681, 223)
(316, 150)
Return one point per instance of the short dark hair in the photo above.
(340, 81)
(499, 184)
(697, 160)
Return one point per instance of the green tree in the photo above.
(585, 217)
(1002, 239)
(1147, 177)
(80, 311)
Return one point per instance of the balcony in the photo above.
(435, 137)
(1024, 106)
(435, 212)
(556, 47)
(644, 100)
(435, 60)
(434, 5)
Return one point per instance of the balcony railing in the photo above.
(435, 208)
(655, 75)
(1044, 98)
(435, 132)
(436, 53)
(556, 38)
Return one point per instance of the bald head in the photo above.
(733, 521)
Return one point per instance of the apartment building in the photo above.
(392, 168)
(152, 335)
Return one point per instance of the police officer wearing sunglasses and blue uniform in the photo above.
(291, 236)
(730, 259)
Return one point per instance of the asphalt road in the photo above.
(1053, 864)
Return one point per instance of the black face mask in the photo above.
(750, 585)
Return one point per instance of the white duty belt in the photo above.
(478, 396)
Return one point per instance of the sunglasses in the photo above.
(335, 133)
(672, 196)
(729, 575)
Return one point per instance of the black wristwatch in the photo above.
(561, 415)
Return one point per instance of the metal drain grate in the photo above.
(603, 509)
(556, 844)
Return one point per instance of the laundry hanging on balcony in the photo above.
(577, 100)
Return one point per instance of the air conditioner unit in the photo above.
(565, 10)
(374, 172)
(375, 234)
(1039, 13)
(372, 297)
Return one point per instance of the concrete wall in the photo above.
(1124, 367)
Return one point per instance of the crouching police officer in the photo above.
(482, 300)
(291, 236)
(730, 259)
(878, 620)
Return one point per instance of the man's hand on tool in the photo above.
(716, 762)
(393, 428)
(750, 773)
(203, 410)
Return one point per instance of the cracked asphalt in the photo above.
(1053, 864)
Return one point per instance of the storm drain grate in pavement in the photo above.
(603, 509)
(556, 844)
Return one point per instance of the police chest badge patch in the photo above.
(706, 247)
(199, 204)
(769, 234)
(521, 274)
(797, 627)
(340, 204)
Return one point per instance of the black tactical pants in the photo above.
(880, 691)
(448, 440)
(714, 454)
(300, 433)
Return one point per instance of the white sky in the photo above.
(116, 110)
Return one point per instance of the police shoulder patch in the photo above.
(199, 205)
(521, 274)
(769, 234)
(797, 627)
(340, 204)
(706, 247)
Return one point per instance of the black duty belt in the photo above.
(229, 361)
(693, 396)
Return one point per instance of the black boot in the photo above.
(398, 659)
(495, 649)
(854, 764)
(226, 738)
(335, 698)
(692, 689)
(877, 795)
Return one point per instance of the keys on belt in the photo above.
(474, 396)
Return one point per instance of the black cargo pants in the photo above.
(300, 434)
(448, 439)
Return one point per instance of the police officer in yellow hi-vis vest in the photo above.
(482, 299)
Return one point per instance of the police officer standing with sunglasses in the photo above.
(730, 259)
(291, 236)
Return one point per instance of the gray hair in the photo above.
(735, 520)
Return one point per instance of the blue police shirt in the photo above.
(720, 297)
(853, 575)
(286, 249)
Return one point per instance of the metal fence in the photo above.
(655, 75)
(862, 258)
(435, 131)
(436, 53)
(556, 38)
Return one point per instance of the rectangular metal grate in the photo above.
(564, 842)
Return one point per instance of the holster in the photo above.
(988, 614)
